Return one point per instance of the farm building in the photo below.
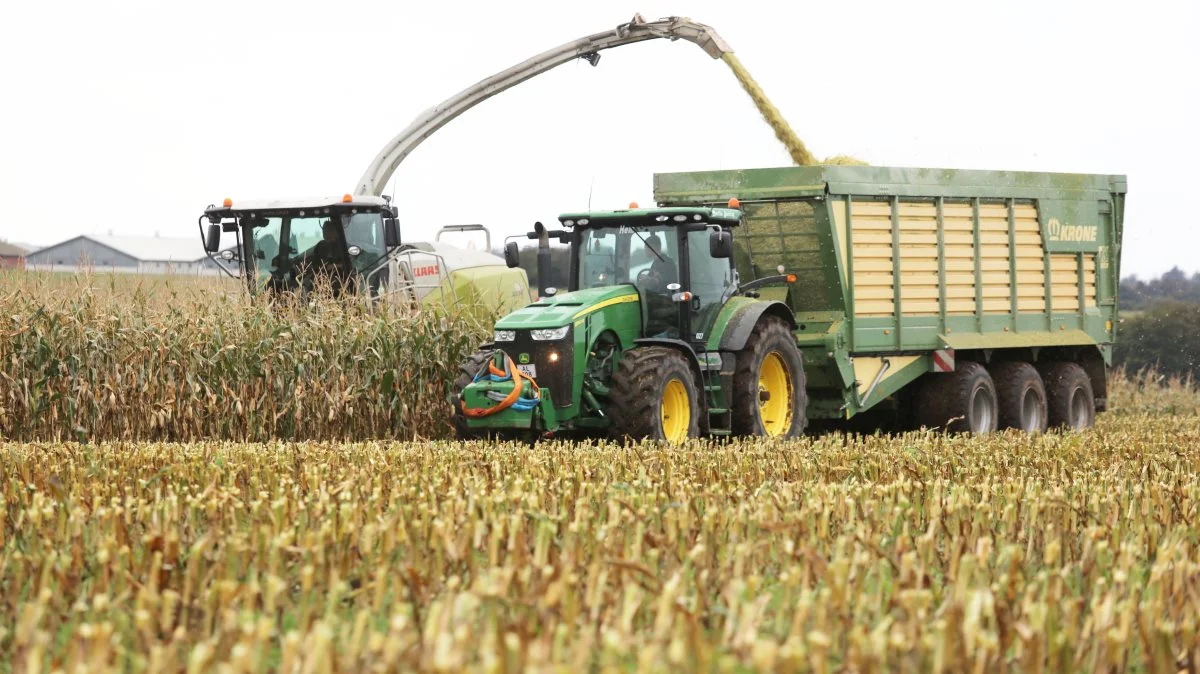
(131, 254)
(12, 256)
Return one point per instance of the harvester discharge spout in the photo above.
(672, 28)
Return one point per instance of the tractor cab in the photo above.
(290, 245)
(644, 342)
(679, 260)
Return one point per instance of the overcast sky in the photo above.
(133, 116)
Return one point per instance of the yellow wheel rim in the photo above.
(775, 379)
(675, 410)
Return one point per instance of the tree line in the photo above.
(1137, 295)
(1160, 327)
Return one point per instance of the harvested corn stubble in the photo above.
(918, 552)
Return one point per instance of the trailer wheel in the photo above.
(769, 396)
(1020, 396)
(1070, 401)
(654, 396)
(963, 401)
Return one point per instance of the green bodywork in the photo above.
(480, 291)
(590, 313)
(788, 217)
(790, 220)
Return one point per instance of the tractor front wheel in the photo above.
(654, 396)
(768, 385)
(462, 431)
(473, 364)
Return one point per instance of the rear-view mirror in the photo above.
(391, 232)
(511, 256)
(212, 240)
(720, 244)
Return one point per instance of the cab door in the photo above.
(710, 280)
(662, 316)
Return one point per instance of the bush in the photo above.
(1166, 338)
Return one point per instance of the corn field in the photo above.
(1074, 552)
(163, 536)
(98, 359)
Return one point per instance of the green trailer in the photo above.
(824, 295)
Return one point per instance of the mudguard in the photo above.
(738, 329)
(677, 344)
(693, 359)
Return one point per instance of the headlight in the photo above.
(504, 335)
(550, 333)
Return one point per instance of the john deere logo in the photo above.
(523, 358)
(1060, 232)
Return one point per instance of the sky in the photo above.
(131, 117)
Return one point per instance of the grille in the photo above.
(558, 377)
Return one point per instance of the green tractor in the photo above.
(656, 337)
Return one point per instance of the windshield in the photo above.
(365, 230)
(290, 250)
(617, 255)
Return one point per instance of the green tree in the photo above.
(1166, 337)
(1137, 294)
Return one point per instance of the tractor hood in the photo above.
(560, 310)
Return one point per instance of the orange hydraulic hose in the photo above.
(513, 395)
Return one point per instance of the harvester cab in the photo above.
(654, 337)
(290, 245)
(353, 244)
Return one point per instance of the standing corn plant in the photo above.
(177, 365)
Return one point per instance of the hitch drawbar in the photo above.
(523, 393)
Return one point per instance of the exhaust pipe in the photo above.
(543, 257)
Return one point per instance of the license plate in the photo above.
(528, 370)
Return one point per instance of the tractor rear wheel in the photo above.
(1069, 397)
(1020, 396)
(962, 401)
(654, 396)
(769, 396)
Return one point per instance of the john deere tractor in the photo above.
(655, 337)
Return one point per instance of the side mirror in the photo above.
(720, 244)
(511, 257)
(391, 232)
(212, 239)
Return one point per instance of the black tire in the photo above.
(1070, 402)
(638, 390)
(1020, 396)
(770, 336)
(963, 401)
(467, 371)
